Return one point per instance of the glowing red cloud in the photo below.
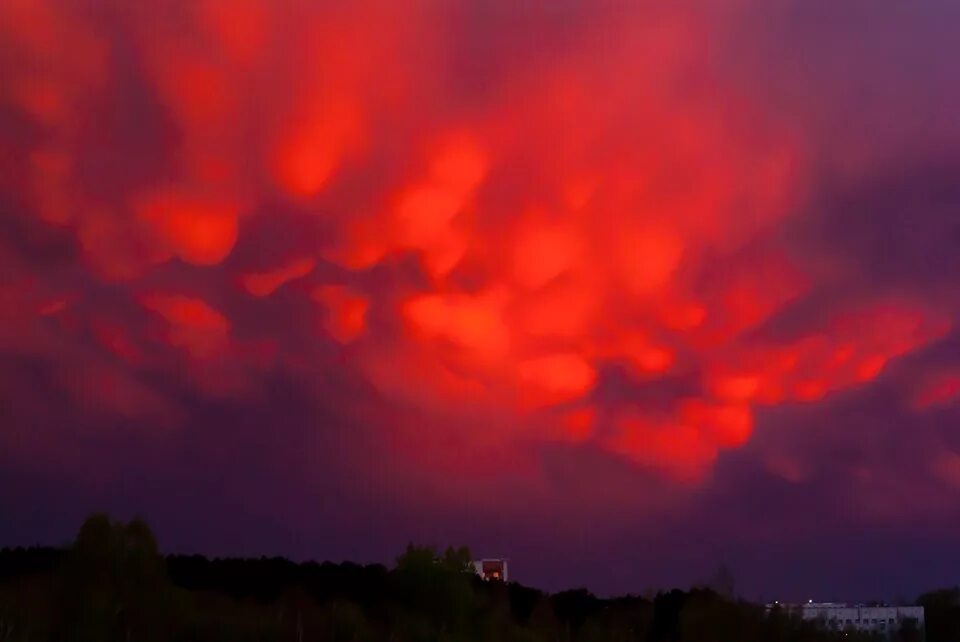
(544, 250)
(471, 324)
(577, 425)
(611, 211)
(266, 283)
(678, 448)
(191, 323)
(938, 389)
(346, 311)
(309, 154)
(555, 378)
(853, 349)
(197, 229)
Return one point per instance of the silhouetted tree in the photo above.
(458, 559)
(113, 586)
(942, 614)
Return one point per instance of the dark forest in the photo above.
(113, 584)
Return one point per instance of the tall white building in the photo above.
(839, 616)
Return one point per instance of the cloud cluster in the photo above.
(472, 231)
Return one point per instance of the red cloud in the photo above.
(191, 323)
(266, 283)
(346, 311)
(614, 207)
(937, 389)
(197, 229)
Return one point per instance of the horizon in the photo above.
(720, 574)
(646, 593)
(621, 291)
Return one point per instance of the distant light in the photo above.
(809, 601)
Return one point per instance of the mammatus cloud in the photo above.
(612, 211)
(938, 388)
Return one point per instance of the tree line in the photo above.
(113, 585)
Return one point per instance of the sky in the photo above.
(621, 291)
